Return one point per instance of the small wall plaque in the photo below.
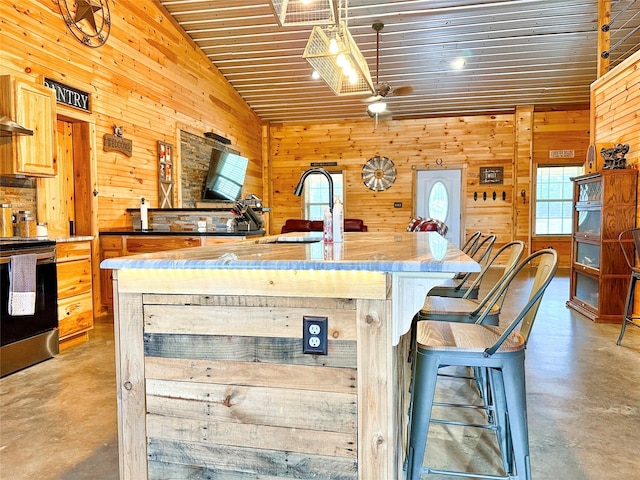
(491, 175)
(117, 142)
(324, 164)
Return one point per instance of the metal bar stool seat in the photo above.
(623, 239)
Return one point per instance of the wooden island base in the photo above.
(213, 383)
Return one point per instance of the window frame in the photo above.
(534, 209)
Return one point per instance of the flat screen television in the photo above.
(225, 177)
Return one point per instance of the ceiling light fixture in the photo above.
(333, 53)
(458, 63)
(305, 12)
(377, 107)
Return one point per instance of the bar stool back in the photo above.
(460, 284)
(465, 309)
(624, 240)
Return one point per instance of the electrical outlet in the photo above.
(314, 335)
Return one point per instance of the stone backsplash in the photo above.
(19, 192)
(184, 220)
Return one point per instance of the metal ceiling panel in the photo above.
(515, 52)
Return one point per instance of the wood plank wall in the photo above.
(615, 116)
(475, 141)
(615, 109)
(147, 78)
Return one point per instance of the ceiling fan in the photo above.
(377, 105)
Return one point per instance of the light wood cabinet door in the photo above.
(34, 107)
(75, 290)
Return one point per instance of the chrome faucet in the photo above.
(322, 171)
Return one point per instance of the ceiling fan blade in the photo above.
(403, 90)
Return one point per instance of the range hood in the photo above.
(8, 128)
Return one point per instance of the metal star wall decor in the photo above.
(88, 20)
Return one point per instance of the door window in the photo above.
(438, 202)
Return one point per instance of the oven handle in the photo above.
(46, 257)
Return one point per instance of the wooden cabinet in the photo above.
(604, 206)
(75, 292)
(34, 107)
(112, 246)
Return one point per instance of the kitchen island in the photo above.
(212, 380)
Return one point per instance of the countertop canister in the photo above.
(26, 224)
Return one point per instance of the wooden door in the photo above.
(438, 195)
(56, 196)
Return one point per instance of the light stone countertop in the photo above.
(372, 251)
(79, 238)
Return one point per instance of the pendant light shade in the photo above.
(304, 12)
(333, 53)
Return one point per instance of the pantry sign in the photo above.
(70, 96)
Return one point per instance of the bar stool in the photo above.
(500, 352)
(623, 239)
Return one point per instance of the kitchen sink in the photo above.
(292, 240)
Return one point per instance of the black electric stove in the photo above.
(31, 338)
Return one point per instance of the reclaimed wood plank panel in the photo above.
(254, 436)
(282, 407)
(252, 301)
(130, 385)
(246, 349)
(262, 464)
(251, 321)
(290, 283)
(302, 377)
(162, 471)
(376, 442)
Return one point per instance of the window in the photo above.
(316, 194)
(554, 194)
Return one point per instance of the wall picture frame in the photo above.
(165, 175)
(491, 175)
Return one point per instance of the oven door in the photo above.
(28, 339)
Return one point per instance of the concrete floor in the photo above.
(58, 418)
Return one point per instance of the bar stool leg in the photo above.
(629, 307)
(426, 375)
(500, 418)
(515, 393)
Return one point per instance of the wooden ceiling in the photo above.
(516, 52)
